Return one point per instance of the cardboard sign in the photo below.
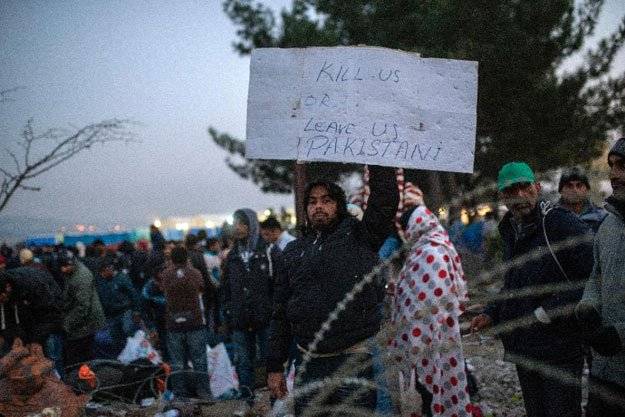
(362, 105)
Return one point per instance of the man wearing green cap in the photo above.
(547, 250)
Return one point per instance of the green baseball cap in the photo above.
(514, 173)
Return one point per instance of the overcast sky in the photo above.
(169, 65)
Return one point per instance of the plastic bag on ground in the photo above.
(223, 376)
(139, 347)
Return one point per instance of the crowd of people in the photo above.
(354, 328)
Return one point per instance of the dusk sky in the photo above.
(169, 66)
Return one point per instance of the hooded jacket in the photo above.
(322, 267)
(605, 290)
(36, 292)
(532, 266)
(248, 276)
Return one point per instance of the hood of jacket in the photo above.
(253, 229)
(615, 207)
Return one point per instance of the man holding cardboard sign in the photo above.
(375, 106)
(323, 267)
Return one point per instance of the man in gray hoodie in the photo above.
(247, 285)
(601, 311)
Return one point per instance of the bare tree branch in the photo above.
(65, 144)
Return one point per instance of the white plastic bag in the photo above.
(138, 347)
(223, 376)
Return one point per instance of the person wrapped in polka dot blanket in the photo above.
(428, 300)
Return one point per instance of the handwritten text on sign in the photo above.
(364, 105)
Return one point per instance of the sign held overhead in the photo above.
(362, 105)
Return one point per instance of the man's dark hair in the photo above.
(98, 242)
(105, 263)
(179, 255)
(126, 247)
(271, 223)
(90, 251)
(66, 258)
(211, 241)
(190, 241)
(335, 192)
(573, 174)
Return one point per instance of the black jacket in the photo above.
(247, 287)
(321, 268)
(36, 291)
(559, 340)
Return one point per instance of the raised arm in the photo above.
(381, 206)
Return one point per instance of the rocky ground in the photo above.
(499, 391)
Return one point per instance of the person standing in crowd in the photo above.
(538, 331)
(212, 259)
(138, 260)
(322, 268)
(121, 305)
(602, 308)
(574, 189)
(186, 325)
(10, 315)
(157, 239)
(456, 226)
(247, 285)
(196, 257)
(91, 259)
(213, 265)
(83, 313)
(428, 300)
(40, 300)
(272, 232)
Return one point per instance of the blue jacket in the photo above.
(592, 215)
(537, 268)
(117, 295)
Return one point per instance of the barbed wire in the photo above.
(485, 277)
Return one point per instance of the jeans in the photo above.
(546, 395)
(345, 393)
(384, 405)
(53, 349)
(193, 342)
(245, 344)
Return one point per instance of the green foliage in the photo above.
(527, 110)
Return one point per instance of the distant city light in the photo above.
(157, 223)
(184, 226)
(230, 219)
(209, 224)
